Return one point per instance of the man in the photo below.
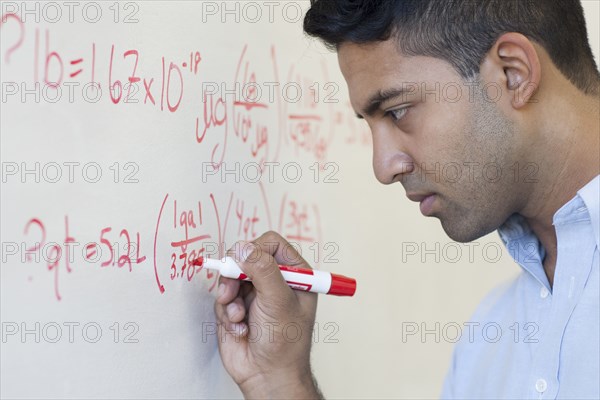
(543, 112)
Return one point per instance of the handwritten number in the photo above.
(124, 259)
(107, 243)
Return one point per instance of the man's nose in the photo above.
(389, 160)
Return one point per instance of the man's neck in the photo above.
(569, 141)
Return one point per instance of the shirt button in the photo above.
(544, 292)
(541, 385)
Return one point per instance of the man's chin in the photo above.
(462, 232)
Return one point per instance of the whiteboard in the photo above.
(135, 135)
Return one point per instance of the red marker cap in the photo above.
(342, 285)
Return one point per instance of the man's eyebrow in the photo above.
(383, 95)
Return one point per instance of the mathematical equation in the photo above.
(182, 227)
(257, 111)
(256, 107)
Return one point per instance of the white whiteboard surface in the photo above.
(83, 169)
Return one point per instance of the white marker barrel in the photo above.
(309, 280)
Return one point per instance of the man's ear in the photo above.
(513, 62)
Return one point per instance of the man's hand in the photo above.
(265, 327)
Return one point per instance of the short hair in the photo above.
(461, 31)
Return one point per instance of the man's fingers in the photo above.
(261, 267)
(226, 325)
(236, 310)
(228, 290)
(282, 251)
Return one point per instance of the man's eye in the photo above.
(397, 114)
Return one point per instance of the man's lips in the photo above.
(425, 199)
(418, 197)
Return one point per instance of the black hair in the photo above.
(461, 31)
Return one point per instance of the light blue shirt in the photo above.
(531, 341)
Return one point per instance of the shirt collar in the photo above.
(525, 247)
(590, 194)
(587, 201)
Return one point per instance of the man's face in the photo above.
(444, 139)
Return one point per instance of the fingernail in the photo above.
(239, 329)
(221, 290)
(243, 250)
(232, 308)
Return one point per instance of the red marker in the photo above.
(309, 280)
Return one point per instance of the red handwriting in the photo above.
(299, 222)
(189, 221)
(251, 112)
(247, 221)
(49, 57)
(251, 124)
(19, 42)
(258, 120)
(307, 128)
(187, 240)
(215, 115)
(122, 69)
(110, 250)
(186, 235)
(254, 121)
(235, 217)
